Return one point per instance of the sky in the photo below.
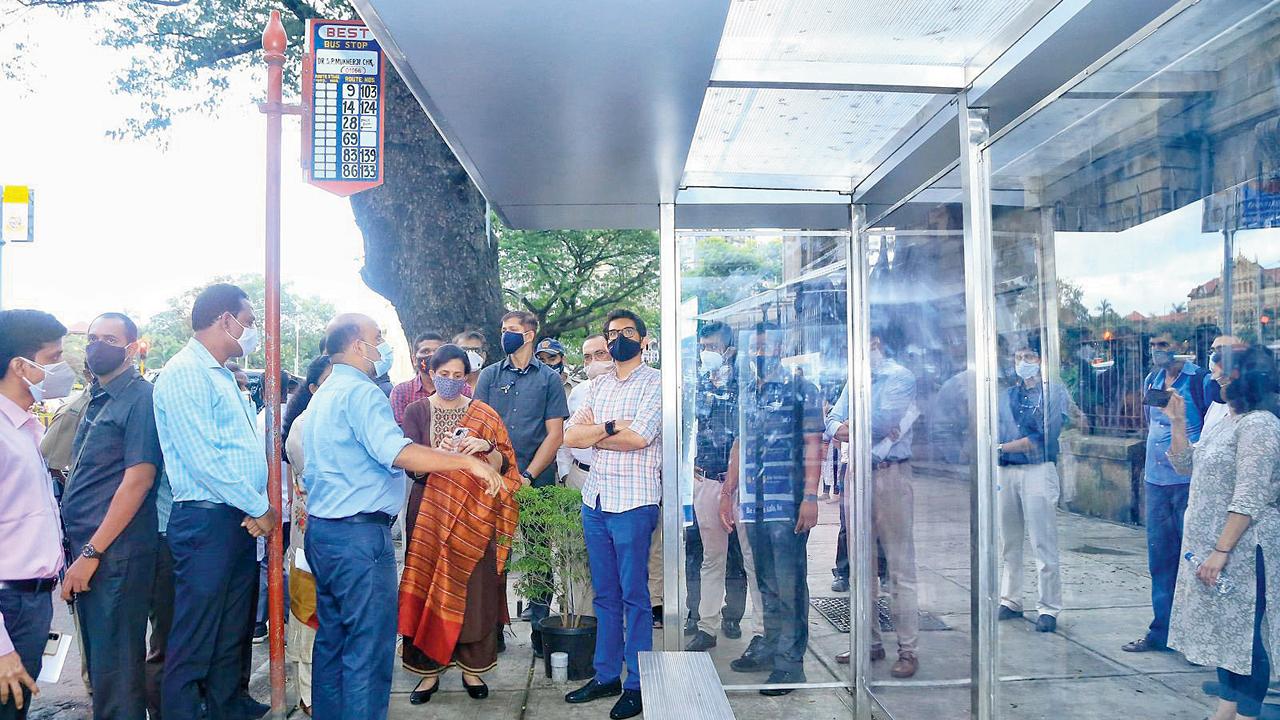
(124, 224)
(1151, 267)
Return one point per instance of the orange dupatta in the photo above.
(456, 522)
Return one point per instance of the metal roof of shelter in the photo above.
(745, 113)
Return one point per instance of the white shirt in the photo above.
(566, 455)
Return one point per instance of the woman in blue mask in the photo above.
(456, 530)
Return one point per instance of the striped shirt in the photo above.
(211, 446)
(625, 480)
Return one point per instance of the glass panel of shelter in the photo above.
(921, 458)
(764, 346)
(1135, 226)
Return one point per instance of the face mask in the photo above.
(624, 348)
(447, 387)
(1027, 370)
(104, 358)
(477, 360)
(248, 339)
(512, 341)
(597, 368)
(1161, 358)
(711, 360)
(382, 365)
(557, 366)
(57, 381)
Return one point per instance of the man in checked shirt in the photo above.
(622, 421)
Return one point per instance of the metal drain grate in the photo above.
(836, 611)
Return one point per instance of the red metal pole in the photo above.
(274, 41)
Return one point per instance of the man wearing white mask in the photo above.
(1028, 486)
(31, 370)
(213, 457)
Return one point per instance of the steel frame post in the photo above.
(672, 381)
(858, 502)
(274, 41)
(979, 283)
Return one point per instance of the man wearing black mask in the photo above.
(109, 515)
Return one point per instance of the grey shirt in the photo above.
(116, 432)
(525, 399)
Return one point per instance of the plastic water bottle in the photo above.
(1222, 586)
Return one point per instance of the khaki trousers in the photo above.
(715, 557)
(893, 524)
(1028, 503)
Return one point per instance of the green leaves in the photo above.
(550, 555)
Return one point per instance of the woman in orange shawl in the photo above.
(452, 593)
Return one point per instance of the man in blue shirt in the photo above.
(355, 457)
(893, 397)
(1166, 489)
(1027, 487)
(214, 459)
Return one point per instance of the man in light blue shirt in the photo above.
(893, 397)
(355, 457)
(218, 475)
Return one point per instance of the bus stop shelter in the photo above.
(914, 172)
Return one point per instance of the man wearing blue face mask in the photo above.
(213, 455)
(1031, 417)
(354, 457)
(1166, 489)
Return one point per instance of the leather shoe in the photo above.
(1046, 624)
(843, 658)
(906, 666)
(841, 585)
(1143, 645)
(755, 659)
(877, 653)
(1008, 613)
(701, 642)
(782, 677)
(628, 706)
(422, 697)
(477, 692)
(594, 691)
(732, 629)
(690, 627)
(304, 708)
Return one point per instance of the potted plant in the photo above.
(550, 557)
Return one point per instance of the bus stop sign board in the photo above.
(343, 85)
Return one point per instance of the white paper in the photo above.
(881, 449)
(51, 670)
(300, 560)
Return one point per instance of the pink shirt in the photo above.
(30, 531)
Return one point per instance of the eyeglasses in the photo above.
(627, 332)
(598, 356)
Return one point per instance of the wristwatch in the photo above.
(527, 476)
(811, 497)
(610, 428)
(90, 552)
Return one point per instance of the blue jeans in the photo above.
(1248, 691)
(113, 626)
(782, 570)
(354, 653)
(1166, 504)
(27, 618)
(618, 552)
(213, 585)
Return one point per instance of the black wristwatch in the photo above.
(90, 552)
(527, 476)
(610, 428)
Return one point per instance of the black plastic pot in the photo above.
(579, 642)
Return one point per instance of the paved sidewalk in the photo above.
(1081, 667)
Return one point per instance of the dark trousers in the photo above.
(160, 611)
(618, 552)
(261, 615)
(1165, 506)
(735, 576)
(354, 654)
(781, 571)
(1248, 691)
(841, 570)
(27, 618)
(213, 580)
(113, 627)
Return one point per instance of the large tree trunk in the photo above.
(424, 230)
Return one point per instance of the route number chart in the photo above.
(345, 89)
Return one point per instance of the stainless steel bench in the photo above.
(682, 686)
